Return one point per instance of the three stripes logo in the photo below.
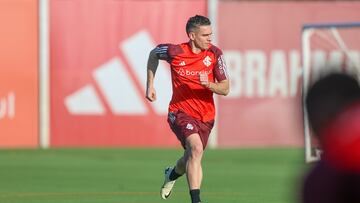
(117, 87)
(7, 106)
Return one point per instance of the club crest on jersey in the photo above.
(207, 61)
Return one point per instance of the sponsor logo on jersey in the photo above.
(222, 65)
(183, 72)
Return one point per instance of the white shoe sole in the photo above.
(167, 187)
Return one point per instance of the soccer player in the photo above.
(197, 70)
(333, 106)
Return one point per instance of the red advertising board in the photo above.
(99, 52)
(261, 41)
(18, 73)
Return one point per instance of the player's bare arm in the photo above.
(220, 88)
(152, 65)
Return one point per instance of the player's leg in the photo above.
(194, 152)
(171, 174)
(193, 136)
(180, 167)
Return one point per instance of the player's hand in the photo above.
(204, 79)
(150, 94)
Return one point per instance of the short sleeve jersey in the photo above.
(189, 95)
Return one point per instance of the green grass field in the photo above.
(135, 175)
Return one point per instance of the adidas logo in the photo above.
(115, 84)
(182, 63)
(7, 106)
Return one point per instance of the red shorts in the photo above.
(184, 125)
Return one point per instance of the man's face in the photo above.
(201, 36)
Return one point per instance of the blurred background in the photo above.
(73, 72)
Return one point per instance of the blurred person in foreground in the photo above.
(333, 106)
(198, 70)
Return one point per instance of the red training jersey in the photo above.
(341, 139)
(188, 94)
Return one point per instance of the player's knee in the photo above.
(196, 151)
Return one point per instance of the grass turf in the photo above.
(135, 175)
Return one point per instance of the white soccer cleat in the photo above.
(168, 184)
